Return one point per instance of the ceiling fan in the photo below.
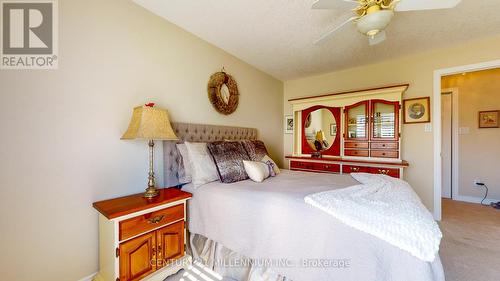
(373, 16)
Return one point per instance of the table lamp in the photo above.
(150, 123)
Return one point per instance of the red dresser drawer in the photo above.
(301, 165)
(385, 171)
(347, 169)
(315, 166)
(358, 145)
(326, 167)
(384, 153)
(384, 145)
(356, 152)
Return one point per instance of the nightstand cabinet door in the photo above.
(170, 241)
(137, 257)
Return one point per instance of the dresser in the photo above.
(142, 239)
(348, 132)
(339, 165)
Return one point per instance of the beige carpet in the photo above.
(470, 249)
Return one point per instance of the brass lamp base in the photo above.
(151, 192)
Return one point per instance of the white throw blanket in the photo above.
(387, 208)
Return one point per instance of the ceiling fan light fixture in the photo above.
(373, 23)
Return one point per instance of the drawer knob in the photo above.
(156, 219)
(383, 172)
(327, 167)
(354, 169)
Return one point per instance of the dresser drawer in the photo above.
(326, 167)
(356, 152)
(384, 145)
(356, 145)
(301, 165)
(347, 169)
(385, 171)
(384, 153)
(149, 221)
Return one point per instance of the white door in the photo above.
(446, 143)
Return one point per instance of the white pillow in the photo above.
(275, 167)
(187, 175)
(257, 171)
(203, 166)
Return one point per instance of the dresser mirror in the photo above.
(320, 130)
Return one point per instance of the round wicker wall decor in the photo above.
(223, 92)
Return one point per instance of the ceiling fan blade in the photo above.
(329, 34)
(418, 5)
(329, 4)
(377, 39)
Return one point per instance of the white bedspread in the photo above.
(270, 221)
(387, 208)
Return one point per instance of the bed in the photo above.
(265, 231)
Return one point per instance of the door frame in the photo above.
(455, 187)
(436, 123)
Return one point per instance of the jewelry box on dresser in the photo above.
(355, 131)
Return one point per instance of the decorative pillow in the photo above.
(257, 171)
(266, 159)
(228, 157)
(203, 166)
(185, 168)
(255, 149)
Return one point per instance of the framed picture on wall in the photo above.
(489, 119)
(288, 124)
(416, 110)
(333, 129)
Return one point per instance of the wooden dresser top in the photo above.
(122, 206)
(397, 163)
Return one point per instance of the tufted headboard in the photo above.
(197, 133)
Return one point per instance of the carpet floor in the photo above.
(470, 249)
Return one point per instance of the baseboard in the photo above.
(89, 278)
(476, 200)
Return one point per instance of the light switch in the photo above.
(464, 130)
(428, 128)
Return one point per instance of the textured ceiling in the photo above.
(276, 35)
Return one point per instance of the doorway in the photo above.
(436, 124)
(446, 144)
(449, 143)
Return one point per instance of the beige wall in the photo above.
(417, 70)
(60, 130)
(479, 150)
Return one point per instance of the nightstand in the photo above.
(142, 238)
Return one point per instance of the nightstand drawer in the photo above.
(144, 223)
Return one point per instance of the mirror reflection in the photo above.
(320, 129)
